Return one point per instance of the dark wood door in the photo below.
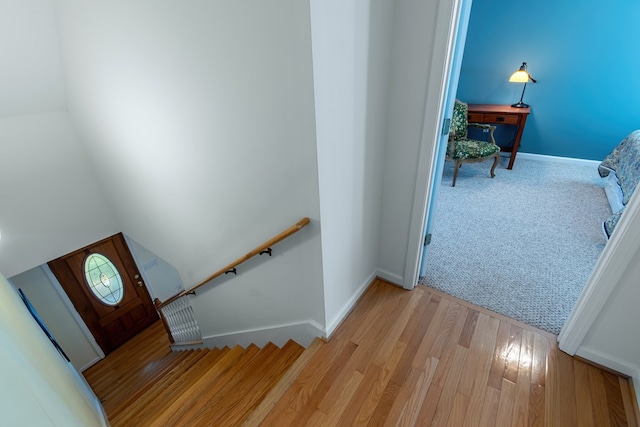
(105, 286)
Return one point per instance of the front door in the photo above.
(105, 286)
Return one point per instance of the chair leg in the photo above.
(495, 163)
(455, 172)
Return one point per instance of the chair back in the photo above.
(459, 120)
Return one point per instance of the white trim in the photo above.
(616, 256)
(303, 333)
(555, 159)
(439, 73)
(390, 277)
(91, 363)
(72, 310)
(348, 306)
(611, 362)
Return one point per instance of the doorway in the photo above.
(604, 278)
(107, 290)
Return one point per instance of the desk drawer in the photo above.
(475, 118)
(506, 119)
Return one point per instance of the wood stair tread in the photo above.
(237, 388)
(230, 384)
(219, 386)
(278, 390)
(238, 405)
(151, 374)
(157, 399)
(184, 403)
(148, 401)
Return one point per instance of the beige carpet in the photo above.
(522, 244)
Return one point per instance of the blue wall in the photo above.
(585, 56)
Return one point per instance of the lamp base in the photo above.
(520, 105)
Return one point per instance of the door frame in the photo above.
(457, 49)
(449, 14)
(616, 256)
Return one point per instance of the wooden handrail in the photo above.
(283, 235)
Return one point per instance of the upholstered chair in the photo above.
(463, 150)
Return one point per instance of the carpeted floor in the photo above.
(522, 244)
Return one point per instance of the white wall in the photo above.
(199, 121)
(161, 278)
(38, 387)
(52, 202)
(30, 75)
(55, 313)
(350, 64)
(268, 292)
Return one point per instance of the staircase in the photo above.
(144, 384)
(400, 358)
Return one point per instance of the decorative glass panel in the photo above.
(103, 279)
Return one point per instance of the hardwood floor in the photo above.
(400, 358)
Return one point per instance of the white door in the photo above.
(450, 96)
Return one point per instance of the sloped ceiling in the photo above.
(50, 200)
(31, 74)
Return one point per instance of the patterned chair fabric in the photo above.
(462, 149)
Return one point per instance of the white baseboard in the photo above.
(303, 333)
(90, 364)
(555, 159)
(615, 363)
(390, 277)
(348, 306)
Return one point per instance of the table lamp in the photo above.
(521, 76)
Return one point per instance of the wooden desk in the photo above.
(501, 115)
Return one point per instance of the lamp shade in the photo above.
(520, 76)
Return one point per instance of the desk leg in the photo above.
(516, 143)
(512, 158)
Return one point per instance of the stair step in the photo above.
(152, 374)
(166, 391)
(310, 384)
(242, 400)
(236, 382)
(108, 375)
(193, 387)
(201, 408)
(144, 374)
(184, 404)
(276, 392)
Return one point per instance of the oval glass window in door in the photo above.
(103, 279)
